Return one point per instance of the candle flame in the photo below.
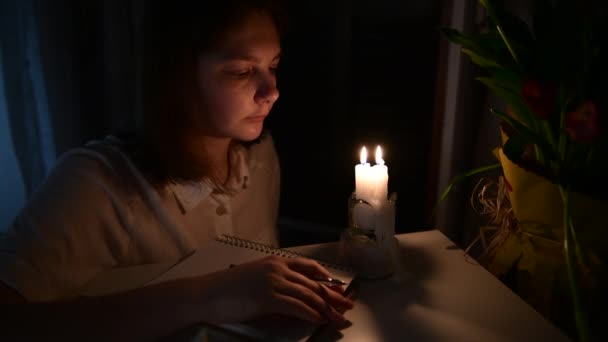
(379, 159)
(363, 156)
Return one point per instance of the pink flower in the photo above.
(540, 97)
(582, 124)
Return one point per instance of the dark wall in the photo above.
(354, 73)
(88, 48)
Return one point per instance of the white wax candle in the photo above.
(380, 178)
(371, 185)
(364, 184)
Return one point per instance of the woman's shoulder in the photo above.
(97, 157)
(102, 162)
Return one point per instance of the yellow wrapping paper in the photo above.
(531, 261)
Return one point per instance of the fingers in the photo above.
(307, 267)
(336, 299)
(288, 305)
(312, 269)
(310, 299)
(333, 297)
(335, 287)
(294, 293)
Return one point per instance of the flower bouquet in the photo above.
(550, 72)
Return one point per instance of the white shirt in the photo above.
(96, 211)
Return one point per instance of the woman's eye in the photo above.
(273, 69)
(240, 73)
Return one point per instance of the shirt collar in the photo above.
(190, 194)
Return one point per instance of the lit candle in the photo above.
(371, 185)
(380, 178)
(364, 185)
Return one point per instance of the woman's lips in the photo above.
(257, 118)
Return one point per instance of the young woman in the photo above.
(197, 166)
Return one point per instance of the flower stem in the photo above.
(547, 132)
(573, 276)
(494, 16)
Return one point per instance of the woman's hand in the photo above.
(274, 285)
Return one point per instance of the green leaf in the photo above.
(510, 83)
(459, 179)
(517, 29)
(495, 17)
(508, 79)
(513, 99)
(481, 60)
(459, 38)
(475, 43)
(530, 136)
(487, 45)
(493, 41)
(515, 147)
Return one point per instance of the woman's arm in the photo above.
(144, 314)
(271, 285)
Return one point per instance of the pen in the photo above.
(333, 281)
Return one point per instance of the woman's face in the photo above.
(237, 80)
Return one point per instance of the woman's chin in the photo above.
(251, 132)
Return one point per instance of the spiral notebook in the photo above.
(216, 255)
(224, 251)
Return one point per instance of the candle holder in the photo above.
(366, 243)
(358, 223)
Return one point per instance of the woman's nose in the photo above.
(267, 91)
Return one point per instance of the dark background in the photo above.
(354, 73)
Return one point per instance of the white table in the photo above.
(449, 298)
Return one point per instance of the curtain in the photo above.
(465, 132)
(11, 182)
(25, 93)
(70, 72)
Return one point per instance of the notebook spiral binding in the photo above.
(238, 242)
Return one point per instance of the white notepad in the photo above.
(224, 251)
(217, 255)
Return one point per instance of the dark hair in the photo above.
(175, 33)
